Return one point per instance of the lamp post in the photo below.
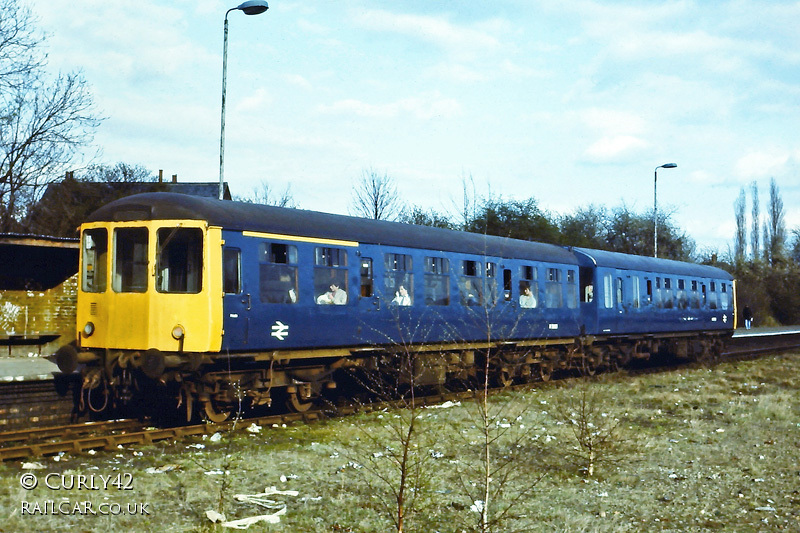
(250, 7)
(655, 205)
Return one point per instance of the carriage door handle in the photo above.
(246, 301)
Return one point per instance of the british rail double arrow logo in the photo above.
(280, 330)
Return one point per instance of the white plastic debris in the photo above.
(33, 466)
(445, 405)
(254, 428)
(216, 437)
(477, 507)
(162, 469)
(263, 500)
(197, 446)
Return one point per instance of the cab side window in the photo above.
(95, 258)
(130, 260)
(231, 271)
(179, 260)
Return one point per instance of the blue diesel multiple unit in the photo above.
(218, 297)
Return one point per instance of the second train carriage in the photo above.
(222, 299)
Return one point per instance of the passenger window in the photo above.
(683, 300)
(399, 279)
(366, 278)
(553, 296)
(437, 281)
(636, 292)
(179, 260)
(620, 295)
(659, 300)
(490, 283)
(572, 290)
(528, 287)
(231, 271)
(712, 295)
(649, 286)
(668, 300)
(507, 285)
(95, 257)
(724, 298)
(130, 260)
(695, 295)
(608, 291)
(471, 283)
(330, 276)
(587, 284)
(277, 273)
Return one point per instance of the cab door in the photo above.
(236, 301)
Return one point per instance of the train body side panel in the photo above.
(262, 314)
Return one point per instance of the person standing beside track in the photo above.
(747, 314)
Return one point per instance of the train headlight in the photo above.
(178, 332)
(88, 329)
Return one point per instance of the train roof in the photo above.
(606, 259)
(240, 216)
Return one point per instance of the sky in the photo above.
(572, 103)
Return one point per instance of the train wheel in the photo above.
(300, 397)
(504, 377)
(545, 370)
(297, 404)
(215, 414)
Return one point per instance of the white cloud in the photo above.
(458, 40)
(425, 107)
(610, 148)
(761, 164)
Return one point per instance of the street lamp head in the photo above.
(253, 7)
(668, 165)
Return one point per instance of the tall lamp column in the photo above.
(250, 7)
(655, 205)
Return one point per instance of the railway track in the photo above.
(34, 442)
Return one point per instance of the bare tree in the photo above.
(43, 123)
(265, 195)
(376, 197)
(777, 225)
(740, 243)
(468, 210)
(19, 45)
(755, 246)
(395, 456)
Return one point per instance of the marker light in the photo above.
(178, 332)
(88, 329)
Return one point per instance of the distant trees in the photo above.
(769, 278)
(43, 121)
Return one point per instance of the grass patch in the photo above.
(698, 449)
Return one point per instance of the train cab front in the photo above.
(149, 303)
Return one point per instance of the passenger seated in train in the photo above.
(526, 298)
(401, 297)
(335, 296)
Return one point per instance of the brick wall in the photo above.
(36, 312)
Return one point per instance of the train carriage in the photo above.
(219, 299)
